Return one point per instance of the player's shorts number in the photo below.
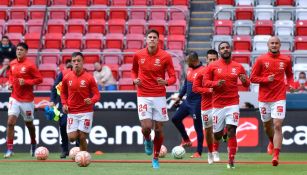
(142, 107)
(215, 119)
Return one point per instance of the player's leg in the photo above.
(177, 119)
(208, 125)
(31, 129)
(72, 127)
(84, 128)
(64, 137)
(265, 112)
(82, 139)
(218, 120)
(198, 126)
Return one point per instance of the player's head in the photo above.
(212, 55)
(97, 66)
(192, 59)
(5, 62)
(302, 77)
(68, 64)
(225, 50)
(21, 50)
(152, 38)
(77, 61)
(274, 44)
(5, 41)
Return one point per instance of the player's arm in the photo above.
(36, 77)
(256, 74)
(289, 75)
(243, 77)
(208, 79)
(53, 94)
(198, 85)
(64, 91)
(11, 79)
(170, 71)
(135, 71)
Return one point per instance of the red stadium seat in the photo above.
(136, 26)
(114, 40)
(48, 70)
(242, 43)
(300, 43)
(116, 26)
(66, 54)
(224, 2)
(60, 2)
(33, 40)
(35, 25)
(46, 85)
(56, 26)
(53, 40)
(37, 12)
(264, 27)
(158, 13)
(118, 13)
(40, 2)
(92, 57)
(21, 2)
(178, 13)
(139, 2)
(78, 12)
(96, 26)
(244, 13)
(16, 26)
(89, 68)
(50, 56)
(58, 12)
(93, 41)
(32, 55)
(176, 42)
(301, 28)
(180, 2)
(114, 69)
(158, 25)
(100, 2)
(81, 2)
(161, 41)
(73, 41)
(159, 2)
(3, 12)
(98, 12)
(119, 2)
(138, 13)
(5, 2)
(284, 2)
(128, 57)
(134, 41)
(15, 37)
(111, 56)
(177, 27)
(125, 84)
(19, 13)
(125, 70)
(76, 26)
(241, 58)
(223, 27)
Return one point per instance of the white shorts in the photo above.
(25, 109)
(228, 115)
(82, 122)
(272, 110)
(153, 108)
(206, 116)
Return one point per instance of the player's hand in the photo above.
(51, 104)
(291, 89)
(65, 109)
(220, 83)
(243, 78)
(161, 81)
(271, 78)
(21, 81)
(177, 102)
(10, 87)
(88, 101)
(137, 81)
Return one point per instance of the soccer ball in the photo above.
(178, 152)
(163, 151)
(41, 153)
(83, 158)
(73, 152)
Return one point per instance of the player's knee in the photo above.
(277, 127)
(10, 124)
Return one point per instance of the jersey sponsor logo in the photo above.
(281, 65)
(266, 64)
(234, 71)
(142, 60)
(82, 83)
(23, 70)
(157, 62)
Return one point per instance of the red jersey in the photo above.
(150, 67)
(268, 64)
(206, 93)
(77, 88)
(27, 70)
(227, 94)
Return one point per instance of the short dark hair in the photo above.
(5, 37)
(23, 45)
(193, 55)
(212, 52)
(302, 73)
(223, 42)
(77, 54)
(67, 61)
(152, 31)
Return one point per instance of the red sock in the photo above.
(9, 144)
(232, 148)
(146, 134)
(157, 146)
(271, 139)
(216, 145)
(210, 148)
(276, 152)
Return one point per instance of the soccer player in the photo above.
(79, 94)
(190, 106)
(222, 75)
(148, 72)
(206, 108)
(23, 76)
(269, 72)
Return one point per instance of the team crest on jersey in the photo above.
(234, 71)
(23, 70)
(82, 83)
(70, 82)
(142, 60)
(219, 70)
(157, 62)
(266, 64)
(281, 65)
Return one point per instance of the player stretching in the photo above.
(190, 106)
(222, 76)
(206, 109)
(79, 93)
(148, 72)
(269, 72)
(23, 76)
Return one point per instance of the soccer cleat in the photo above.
(63, 155)
(32, 150)
(231, 164)
(195, 155)
(148, 147)
(210, 158)
(275, 161)
(9, 153)
(155, 163)
(216, 156)
(270, 148)
(187, 143)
